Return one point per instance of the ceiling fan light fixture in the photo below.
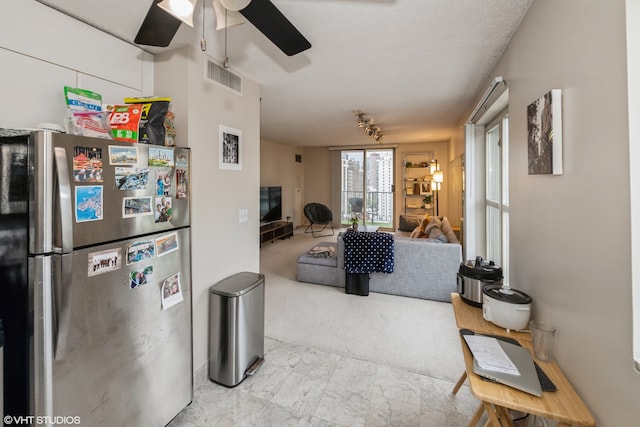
(235, 5)
(181, 9)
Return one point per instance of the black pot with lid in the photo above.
(473, 276)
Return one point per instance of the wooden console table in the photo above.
(275, 230)
(563, 405)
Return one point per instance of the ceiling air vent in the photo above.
(218, 74)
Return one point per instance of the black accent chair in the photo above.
(318, 215)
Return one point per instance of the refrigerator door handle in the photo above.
(60, 303)
(64, 273)
(64, 200)
(41, 356)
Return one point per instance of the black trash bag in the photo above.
(151, 128)
(357, 284)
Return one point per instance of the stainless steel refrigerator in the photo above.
(95, 281)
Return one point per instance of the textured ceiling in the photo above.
(415, 66)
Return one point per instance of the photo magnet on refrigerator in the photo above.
(171, 291)
(88, 203)
(104, 261)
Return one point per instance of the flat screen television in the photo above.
(270, 204)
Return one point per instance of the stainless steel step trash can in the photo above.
(236, 328)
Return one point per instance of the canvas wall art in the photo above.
(544, 124)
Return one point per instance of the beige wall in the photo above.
(221, 245)
(570, 234)
(317, 176)
(279, 168)
(313, 176)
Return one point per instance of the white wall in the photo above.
(633, 76)
(570, 234)
(38, 60)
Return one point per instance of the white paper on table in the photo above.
(489, 355)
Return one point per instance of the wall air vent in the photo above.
(223, 76)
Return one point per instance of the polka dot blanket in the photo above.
(368, 252)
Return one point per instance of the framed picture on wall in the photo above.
(230, 148)
(544, 125)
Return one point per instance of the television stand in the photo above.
(275, 230)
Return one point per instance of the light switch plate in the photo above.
(243, 215)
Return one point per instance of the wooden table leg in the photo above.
(476, 416)
(493, 417)
(498, 415)
(504, 415)
(460, 382)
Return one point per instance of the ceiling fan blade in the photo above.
(158, 27)
(272, 23)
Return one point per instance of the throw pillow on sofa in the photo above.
(434, 230)
(408, 223)
(448, 231)
(419, 231)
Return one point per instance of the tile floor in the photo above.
(300, 386)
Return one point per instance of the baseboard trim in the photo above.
(200, 375)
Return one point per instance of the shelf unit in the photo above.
(417, 182)
(275, 230)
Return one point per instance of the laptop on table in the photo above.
(526, 377)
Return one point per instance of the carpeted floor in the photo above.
(408, 333)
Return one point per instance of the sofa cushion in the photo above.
(310, 257)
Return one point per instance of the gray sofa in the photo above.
(423, 269)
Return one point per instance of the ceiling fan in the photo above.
(159, 27)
